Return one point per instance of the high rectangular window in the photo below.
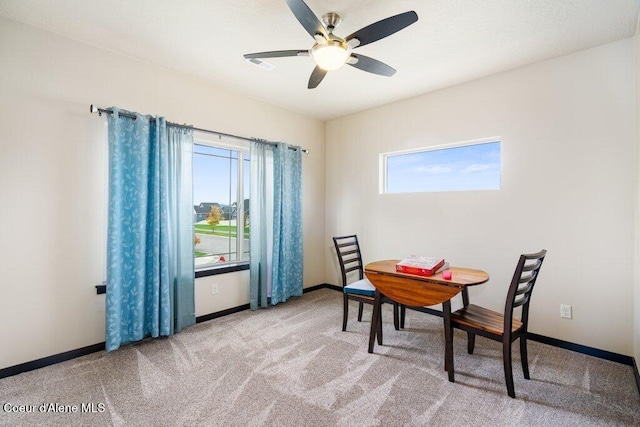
(469, 166)
(221, 203)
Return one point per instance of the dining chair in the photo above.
(503, 327)
(360, 290)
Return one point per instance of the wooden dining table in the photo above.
(420, 291)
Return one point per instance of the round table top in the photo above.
(418, 291)
(460, 276)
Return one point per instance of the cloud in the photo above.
(433, 170)
(476, 168)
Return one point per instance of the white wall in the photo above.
(52, 191)
(568, 136)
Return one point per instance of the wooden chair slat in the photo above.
(351, 261)
(525, 289)
(344, 245)
(533, 266)
(354, 268)
(528, 277)
(351, 252)
(522, 301)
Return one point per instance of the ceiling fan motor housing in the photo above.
(331, 21)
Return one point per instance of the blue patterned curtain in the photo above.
(150, 280)
(276, 224)
(286, 273)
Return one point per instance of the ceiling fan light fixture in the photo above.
(332, 55)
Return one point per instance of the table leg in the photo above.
(465, 297)
(471, 337)
(376, 329)
(396, 316)
(448, 339)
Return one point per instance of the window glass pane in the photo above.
(468, 167)
(215, 193)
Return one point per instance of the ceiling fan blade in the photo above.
(277, 54)
(307, 18)
(371, 65)
(381, 29)
(316, 77)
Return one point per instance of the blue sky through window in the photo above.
(468, 167)
(214, 175)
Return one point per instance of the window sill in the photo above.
(102, 289)
(213, 271)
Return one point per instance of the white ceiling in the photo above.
(454, 41)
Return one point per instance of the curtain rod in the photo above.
(94, 109)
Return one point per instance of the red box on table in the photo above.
(420, 265)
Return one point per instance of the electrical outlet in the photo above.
(214, 289)
(565, 311)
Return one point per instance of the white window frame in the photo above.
(382, 171)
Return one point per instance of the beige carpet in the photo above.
(291, 365)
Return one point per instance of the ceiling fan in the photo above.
(331, 52)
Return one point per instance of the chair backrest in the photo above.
(349, 256)
(524, 279)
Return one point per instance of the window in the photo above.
(221, 202)
(468, 166)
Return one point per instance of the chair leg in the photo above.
(524, 357)
(360, 307)
(380, 323)
(508, 372)
(375, 324)
(403, 314)
(471, 342)
(396, 316)
(345, 311)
